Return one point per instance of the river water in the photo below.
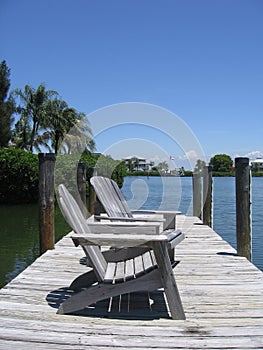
(175, 193)
(19, 224)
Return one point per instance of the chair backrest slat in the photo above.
(76, 220)
(110, 197)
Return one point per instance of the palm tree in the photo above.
(21, 133)
(46, 120)
(64, 123)
(57, 122)
(33, 109)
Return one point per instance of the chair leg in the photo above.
(171, 254)
(85, 298)
(169, 284)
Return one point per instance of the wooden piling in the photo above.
(243, 221)
(92, 193)
(46, 201)
(197, 194)
(81, 182)
(207, 195)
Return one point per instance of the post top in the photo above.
(242, 160)
(48, 156)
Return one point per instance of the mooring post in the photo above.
(207, 195)
(92, 193)
(81, 181)
(243, 221)
(197, 194)
(46, 201)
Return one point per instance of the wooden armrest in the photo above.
(118, 240)
(139, 211)
(125, 227)
(101, 217)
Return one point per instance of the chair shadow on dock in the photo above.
(139, 305)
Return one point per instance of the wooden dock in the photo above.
(222, 295)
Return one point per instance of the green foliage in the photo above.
(33, 114)
(223, 173)
(19, 173)
(257, 173)
(144, 173)
(67, 128)
(66, 171)
(45, 121)
(188, 173)
(221, 162)
(18, 176)
(106, 166)
(66, 168)
(7, 106)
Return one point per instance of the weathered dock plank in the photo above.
(222, 296)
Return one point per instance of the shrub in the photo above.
(18, 176)
(19, 171)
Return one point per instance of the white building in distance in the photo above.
(257, 164)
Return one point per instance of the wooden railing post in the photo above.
(243, 224)
(81, 181)
(207, 195)
(197, 194)
(46, 201)
(92, 193)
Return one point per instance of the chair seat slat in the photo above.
(154, 262)
(138, 266)
(148, 259)
(110, 272)
(129, 269)
(120, 272)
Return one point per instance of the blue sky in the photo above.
(200, 59)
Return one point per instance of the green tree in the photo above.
(46, 120)
(59, 121)
(221, 162)
(7, 106)
(21, 134)
(33, 109)
(77, 135)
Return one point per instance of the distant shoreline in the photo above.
(189, 174)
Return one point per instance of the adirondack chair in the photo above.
(116, 207)
(147, 272)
